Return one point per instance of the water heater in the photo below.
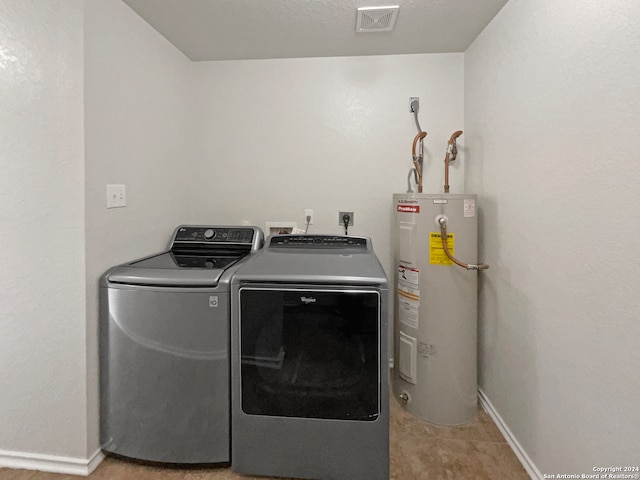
(435, 314)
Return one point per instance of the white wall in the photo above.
(327, 134)
(42, 286)
(140, 131)
(551, 118)
(127, 100)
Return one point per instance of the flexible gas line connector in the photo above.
(443, 236)
(415, 177)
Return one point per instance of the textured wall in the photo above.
(337, 137)
(42, 300)
(140, 131)
(328, 134)
(551, 117)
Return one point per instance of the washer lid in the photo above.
(167, 269)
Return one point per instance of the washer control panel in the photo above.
(318, 241)
(212, 234)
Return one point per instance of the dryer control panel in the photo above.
(318, 242)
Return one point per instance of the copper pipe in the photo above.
(418, 170)
(443, 237)
(446, 174)
(419, 136)
(452, 152)
(417, 158)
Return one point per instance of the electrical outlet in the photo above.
(414, 104)
(308, 214)
(116, 196)
(341, 218)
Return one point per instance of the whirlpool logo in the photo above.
(308, 300)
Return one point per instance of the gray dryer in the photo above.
(310, 388)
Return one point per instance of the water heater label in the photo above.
(426, 350)
(409, 208)
(437, 256)
(469, 207)
(408, 295)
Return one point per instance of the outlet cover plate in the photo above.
(116, 196)
(411, 100)
(341, 214)
(308, 213)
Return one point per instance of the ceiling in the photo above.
(253, 29)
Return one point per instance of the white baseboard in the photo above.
(526, 462)
(94, 461)
(51, 463)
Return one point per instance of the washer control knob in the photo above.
(209, 234)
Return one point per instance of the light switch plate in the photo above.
(116, 196)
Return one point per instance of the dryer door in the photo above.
(310, 352)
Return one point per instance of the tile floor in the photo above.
(419, 451)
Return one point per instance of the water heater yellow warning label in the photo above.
(436, 252)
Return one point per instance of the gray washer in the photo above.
(309, 368)
(164, 340)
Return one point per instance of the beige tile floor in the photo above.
(419, 451)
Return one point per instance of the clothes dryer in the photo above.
(310, 391)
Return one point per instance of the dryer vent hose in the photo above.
(443, 236)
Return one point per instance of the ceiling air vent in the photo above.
(376, 19)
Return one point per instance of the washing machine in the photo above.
(309, 361)
(164, 347)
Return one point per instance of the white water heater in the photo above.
(435, 315)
